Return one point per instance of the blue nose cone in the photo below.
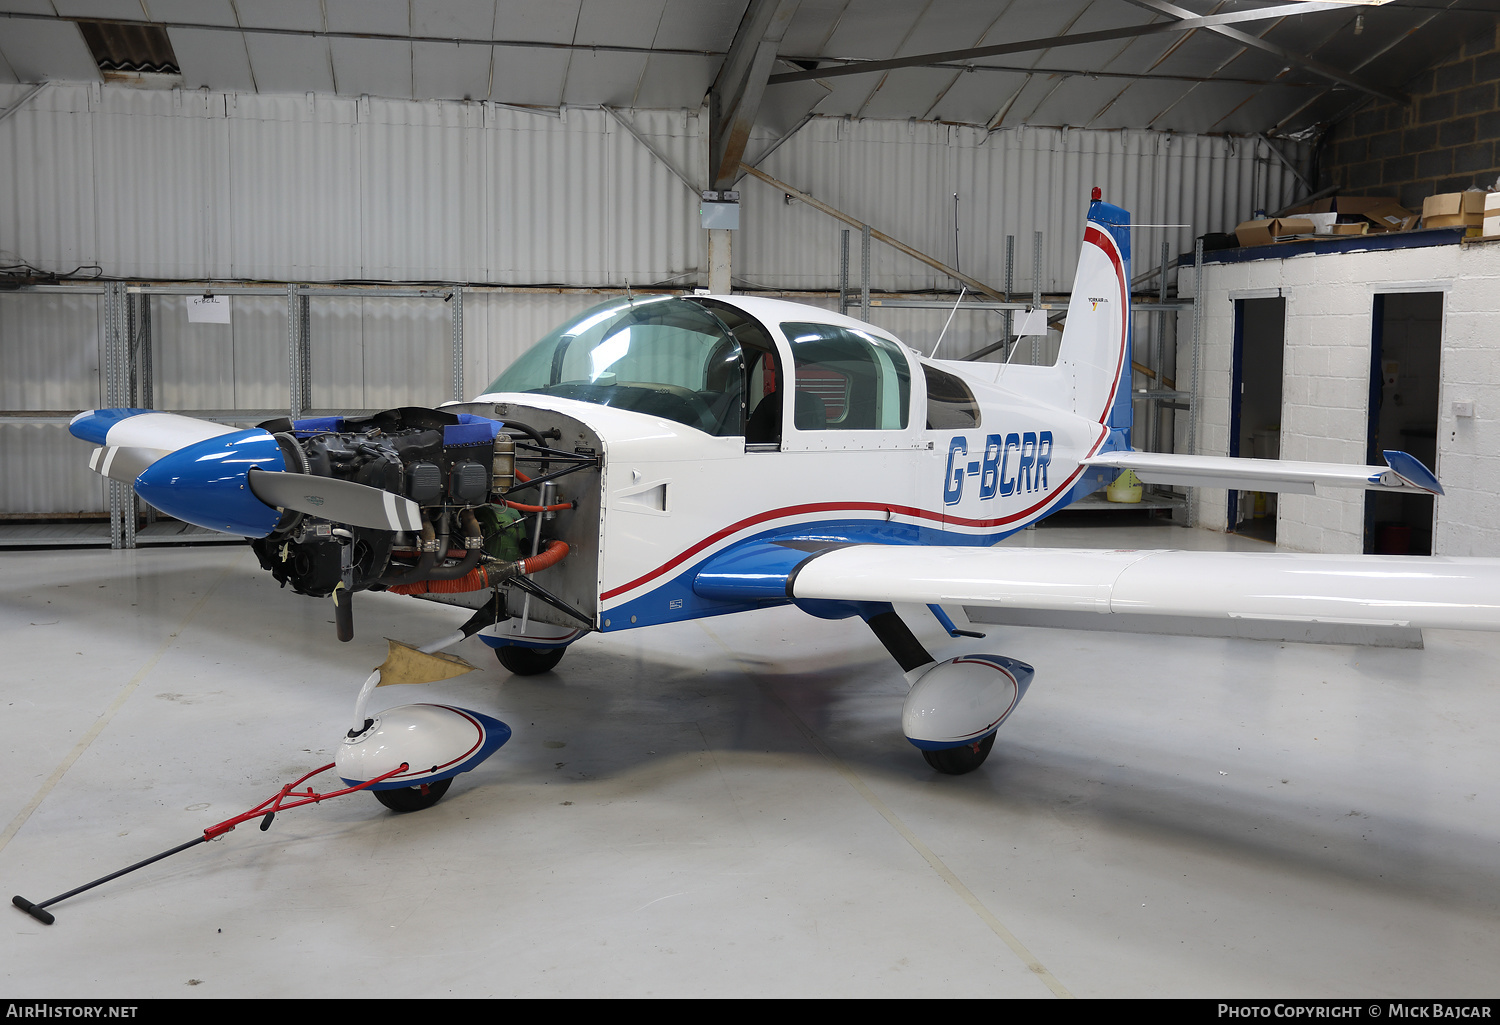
(208, 483)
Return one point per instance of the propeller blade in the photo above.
(123, 463)
(342, 501)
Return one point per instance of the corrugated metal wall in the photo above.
(50, 354)
(209, 185)
(902, 178)
(198, 186)
(190, 186)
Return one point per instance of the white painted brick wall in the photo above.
(1468, 517)
(1325, 388)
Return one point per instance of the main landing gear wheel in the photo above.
(524, 661)
(414, 798)
(955, 761)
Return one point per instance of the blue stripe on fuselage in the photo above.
(675, 600)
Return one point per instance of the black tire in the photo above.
(414, 798)
(528, 661)
(955, 761)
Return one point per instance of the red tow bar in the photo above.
(265, 811)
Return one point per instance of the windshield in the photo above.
(661, 355)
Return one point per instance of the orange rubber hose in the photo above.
(477, 579)
(550, 556)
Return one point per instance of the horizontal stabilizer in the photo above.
(1404, 473)
(1432, 592)
(341, 501)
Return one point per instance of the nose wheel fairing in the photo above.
(436, 742)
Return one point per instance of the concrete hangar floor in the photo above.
(727, 808)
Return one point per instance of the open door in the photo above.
(1255, 406)
(1405, 356)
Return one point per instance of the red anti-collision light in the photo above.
(1098, 194)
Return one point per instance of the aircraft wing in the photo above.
(1426, 592)
(1402, 472)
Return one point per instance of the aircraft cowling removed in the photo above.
(660, 459)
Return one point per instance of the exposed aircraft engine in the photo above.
(429, 513)
(446, 466)
(416, 501)
(953, 710)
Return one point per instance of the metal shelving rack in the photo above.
(127, 377)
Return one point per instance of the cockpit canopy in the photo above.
(661, 355)
(705, 363)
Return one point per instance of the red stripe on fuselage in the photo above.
(827, 507)
(1093, 236)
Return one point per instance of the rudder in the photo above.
(1096, 337)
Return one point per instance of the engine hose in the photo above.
(474, 554)
(535, 435)
(550, 556)
(424, 564)
(479, 578)
(475, 580)
(519, 507)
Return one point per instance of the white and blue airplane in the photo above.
(664, 458)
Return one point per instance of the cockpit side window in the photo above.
(848, 380)
(950, 403)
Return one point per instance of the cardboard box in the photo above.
(1323, 222)
(1382, 213)
(1322, 206)
(1452, 209)
(1492, 213)
(1265, 230)
(1362, 228)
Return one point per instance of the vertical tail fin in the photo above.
(1096, 337)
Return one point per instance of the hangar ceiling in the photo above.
(1200, 66)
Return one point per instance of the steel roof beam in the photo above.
(734, 98)
(1369, 58)
(1285, 162)
(1187, 24)
(880, 236)
(1140, 76)
(261, 30)
(1297, 59)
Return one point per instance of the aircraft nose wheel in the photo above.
(523, 661)
(955, 761)
(414, 798)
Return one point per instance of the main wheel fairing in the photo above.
(963, 700)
